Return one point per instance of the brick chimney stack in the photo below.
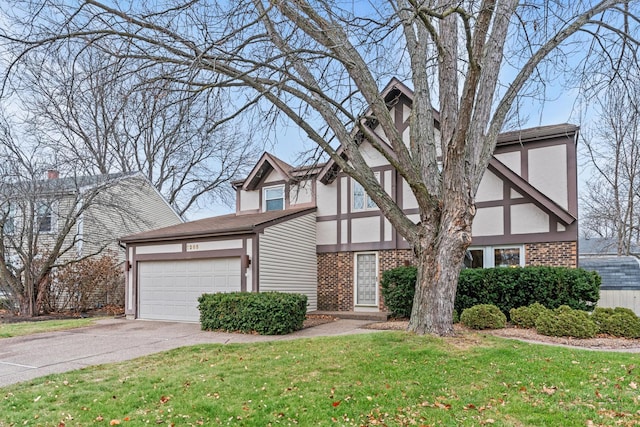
(53, 174)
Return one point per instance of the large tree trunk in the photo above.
(440, 255)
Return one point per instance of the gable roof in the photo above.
(223, 225)
(267, 163)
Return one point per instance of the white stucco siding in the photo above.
(408, 198)
(548, 172)
(510, 160)
(287, 258)
(371, 156)
(301, 193)
(488, 222)
(364, 230)
(327, 232)
(528, 218)
(327, 198)
(491, 188)
(249, 200)
(274, 176)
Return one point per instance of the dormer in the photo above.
(273, 184)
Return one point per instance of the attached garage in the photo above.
(169, 268)
(169, 290)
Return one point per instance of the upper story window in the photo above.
(274, 198)
(360, 198)
(45, 218)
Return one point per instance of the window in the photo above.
(361, 200)
(274, 198)
(45, 218)
(474, 258)
(506, 257)
(494, 256)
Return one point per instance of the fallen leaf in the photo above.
(336, 403)
(633, 385)
(164, 399)
(37, 398)
(99, 418)
(114, 422)
(549, 390)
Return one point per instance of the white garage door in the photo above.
(169, 290)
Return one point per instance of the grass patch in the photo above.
(387, 378)
(8, 330)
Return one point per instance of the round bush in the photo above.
(483, 316)
(525, 317)
(618, 322)
(566, 322)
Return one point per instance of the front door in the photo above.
(366, 279)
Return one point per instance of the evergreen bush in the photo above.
(267, 313)
(566, 322)
(483, 316)
(525, 317)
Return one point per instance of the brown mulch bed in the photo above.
(601, 342)
(7, 316)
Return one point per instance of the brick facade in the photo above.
(552, 254)
(336, 270)
(336, 276)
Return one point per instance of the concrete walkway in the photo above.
(116, 340)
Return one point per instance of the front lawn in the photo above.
(8, 330)
(386, 378)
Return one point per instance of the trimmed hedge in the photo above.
(617, 322)
(483, 316)
(506, 288)
(267, 313)
(525, 317)
(398, 288)
(510, 288)
(566, 322)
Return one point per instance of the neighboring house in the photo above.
(620, 274)
(105, 207)
(314, 230)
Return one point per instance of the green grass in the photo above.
(8, 330)
(387, 378)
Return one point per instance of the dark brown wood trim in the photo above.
(177, 256)
(255, 262)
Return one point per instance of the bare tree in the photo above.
(114, 116)
(39, 217)
(612, 199)
(321, 65)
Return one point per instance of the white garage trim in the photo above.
(169, 290)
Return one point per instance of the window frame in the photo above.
(50, 213)
(265, 199)
(367, 202)
(488, 253)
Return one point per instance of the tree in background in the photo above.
(611, 202)
(107, 115)
(321, 65)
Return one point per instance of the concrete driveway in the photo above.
(115, 340)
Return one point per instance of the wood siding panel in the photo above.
(249, 200)
(287, 257)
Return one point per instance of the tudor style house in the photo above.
(314, 230)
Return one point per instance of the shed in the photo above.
(620, 280)
(169, 268)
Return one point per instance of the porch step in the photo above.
(377, 316)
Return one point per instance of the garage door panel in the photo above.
(169, 290)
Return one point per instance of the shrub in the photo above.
(267, 313)
(525, 317)
(92, 282)
(566, 322)
(618, 322)
(510, 288)
(398, 288)
(483, 316)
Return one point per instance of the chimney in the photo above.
(53, 174)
